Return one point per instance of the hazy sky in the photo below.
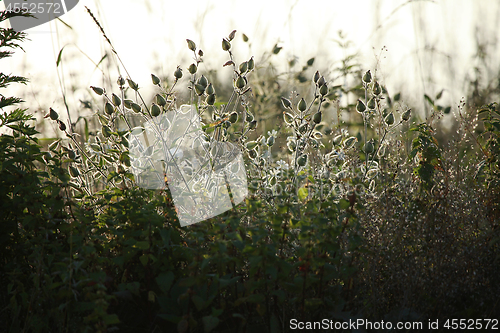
(423, 39)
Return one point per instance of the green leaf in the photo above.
(59, 56)
(344, 204)
(164, 281)
(143, 245)
(428, 99)
(303, 193)
(209, 323)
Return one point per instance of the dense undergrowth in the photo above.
(385, 224)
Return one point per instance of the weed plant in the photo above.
(376, 220)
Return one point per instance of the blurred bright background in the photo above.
(413, 47)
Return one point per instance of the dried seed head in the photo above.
(62, 126)
(53, 114)
(200, 53)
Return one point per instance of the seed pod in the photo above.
(106, 131)
(377, 90)
(302, 160)
(406, 115)
(321, 81)
(245, 38)
(317, 117)
(210, 89)
(178, 73)
(337, 140)
(251, 64)
(270, 141)
(97, 90)
(323, 90)
(191, 45)
(120, 81)
(233, 117)
(253, 124)
(249, 117)
(303, 128)
(286, 102)
(136, 107)
(302, 106)
(71, 154)
(73, 171)
(133, 85)
(155, 79)
(240, 82)
(367, 77)
(316, 77)
(243, 67)
(192, 68)
(211, 99)
(291, 145)
(203, 81)
(225, 44)
(371, 104)
(160, 100)
(128, 103)
(381, 151)
(62, 126)
(116, 100)
(231, 35)
(53, 114)
(121, 169)
(360, 106)
(389, 119)
(155, 110)
(349, 143)
(109, 108)
(369, 147)
(199, 89)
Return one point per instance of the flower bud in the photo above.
(302, 160)
(178, 73)
(120, 81)
(97, 90)
(321, 81)
(367, 77)
(225, 44)
(376, 89)
(251, 64)
(406, 115)
(53, 114)
(109, 108)
(203, 81)
(155, 79)
(360, 106)
(316, 77)
(133, 85)
(323, 90)
(317, 117)
(302, 106)
(286, 102)
(191, 45)
(136, 107)
(389, 119)
(116, 100)
(371, 104)
(211, 99)
(155, 110)
(192, 68)
(233, 117)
